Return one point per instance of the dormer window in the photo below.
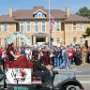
(43, 15)
(36, 15)
(39, 14)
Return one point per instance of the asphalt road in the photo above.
(85, 81)
(83, 75)
(87, 86)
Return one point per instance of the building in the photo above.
(66, 28)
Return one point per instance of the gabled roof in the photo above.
(41, 8)
(76, 18)
(28, 14)
(6, 19)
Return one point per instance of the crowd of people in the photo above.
(63, 56)
(44, 58)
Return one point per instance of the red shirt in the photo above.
(0, 52)
(71, 54)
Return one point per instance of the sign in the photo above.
(18, 76)
(21, 88)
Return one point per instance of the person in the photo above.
(78, 56)
(11, 52)
(0, 52)
(88, 56)
(1, 59)
(39, 70)
(17, 51)
(16, 61)
(2, 75)
(56, 58)
(28, 52)
(65, 63)
(84, 53)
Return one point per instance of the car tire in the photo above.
(71, 87)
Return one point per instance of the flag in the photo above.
(51, 22)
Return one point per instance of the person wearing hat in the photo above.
(16, 61)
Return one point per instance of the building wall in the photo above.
(55, 34)
(70, 33)
(5, 34)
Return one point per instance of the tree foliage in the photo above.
(87, 33)
(84, 11)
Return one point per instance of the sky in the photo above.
(74, 5)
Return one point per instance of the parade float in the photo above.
(18, 73)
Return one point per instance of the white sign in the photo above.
(18, 76)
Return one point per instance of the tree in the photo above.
(84, 11)
(87, 33)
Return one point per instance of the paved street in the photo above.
(83, 75)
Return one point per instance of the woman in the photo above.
(16, 61)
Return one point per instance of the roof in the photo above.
(28, 14)
(58, 13)
(6, 18)
(76, 18)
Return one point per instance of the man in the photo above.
(41, 71)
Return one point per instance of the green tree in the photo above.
(87, 33)
(84, 11)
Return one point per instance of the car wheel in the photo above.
(71, 87)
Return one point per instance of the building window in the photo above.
(0, 41)
(58, 40)
(40, 15)
(58, 25)
(74, 26)
(21, 26)
(81, 26)
(36, 26)
(5, 27)
(74, 40)
(52, 26)
(52, 39)
(43, 26)
(81, 40)
(36, 15)
(0, 27)
(5, 39)
(43, 15)
(28, 26)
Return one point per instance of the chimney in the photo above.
(11, 12)
(67, 11)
